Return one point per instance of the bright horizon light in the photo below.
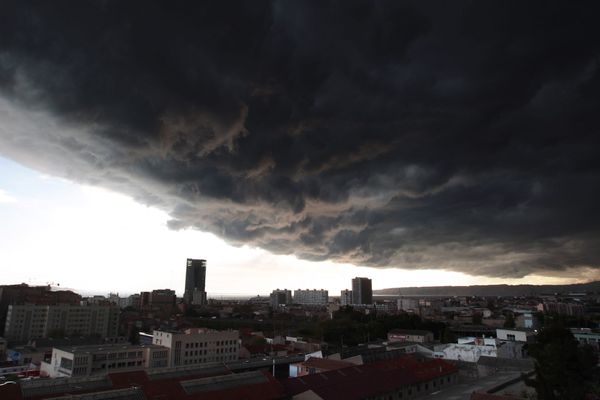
(95, 241)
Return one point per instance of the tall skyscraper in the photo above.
(362, 291)
(195, 282)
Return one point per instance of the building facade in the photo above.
(514, 335)
(311, 297)
(362, 291)
(410, 335)
(164, 299)
(25, 294)
(346, 297)
(24, 322)
(198, 346)
(281, 297)
(90, 360)
(195, 282)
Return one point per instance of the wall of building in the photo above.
(464, 352)
(199, 346)
(346, 297)
(511, 335)
(280, 297)
(362, 291)
(314, 296)
(91, 360)
(408, 336)
(24, 322)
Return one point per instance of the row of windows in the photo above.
(214, 351)
(122, 364)
(160, 354)
(209, 359)
(204, 344)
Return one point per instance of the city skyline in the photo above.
(415, 145)
(20, 194)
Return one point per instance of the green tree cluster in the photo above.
(563, 369)
(353, 327)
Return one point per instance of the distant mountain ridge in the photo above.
(491, 290)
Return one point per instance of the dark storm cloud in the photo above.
(455, 135)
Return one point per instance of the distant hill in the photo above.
(491, 290)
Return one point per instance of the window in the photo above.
(510, 337)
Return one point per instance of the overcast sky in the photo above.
(415, 142)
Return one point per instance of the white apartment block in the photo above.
(314, 296)
(408, 304)
(29, 321)
(102, 359)
(346, 297)
(199, 346)
(513, 335)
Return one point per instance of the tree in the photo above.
(509, 320)
(448, 336)
(134, 335)
(563, 370)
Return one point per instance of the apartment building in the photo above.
(346, 297)
(362, 291)
(311, 297)
(30, 321)
(81, 361)
(280, 297)
(198, 346)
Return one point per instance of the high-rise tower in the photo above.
(362, 291)
(195, 282)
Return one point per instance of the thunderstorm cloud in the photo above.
(455, 135)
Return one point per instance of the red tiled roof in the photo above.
(270, 390)
(369, 380)
(490, 396)
(326, 364)
(9, 391)
(170, 388)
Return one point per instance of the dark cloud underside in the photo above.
(456, 135)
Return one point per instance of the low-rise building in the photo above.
(81, 361)
(316, 365)
(586, 336)
(199, 346)
(163, 299)
(400, 378)
(571, 309)
(408, 304)
(311, 297)
(410, 335)
(165, 384)
(468, 349)
(527, 320)
(515, 335)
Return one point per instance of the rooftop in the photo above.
(95, 348)
(362, 381)
(411, 332)
(326, 364)
(184, 384)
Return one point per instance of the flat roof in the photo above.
(106, 347)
